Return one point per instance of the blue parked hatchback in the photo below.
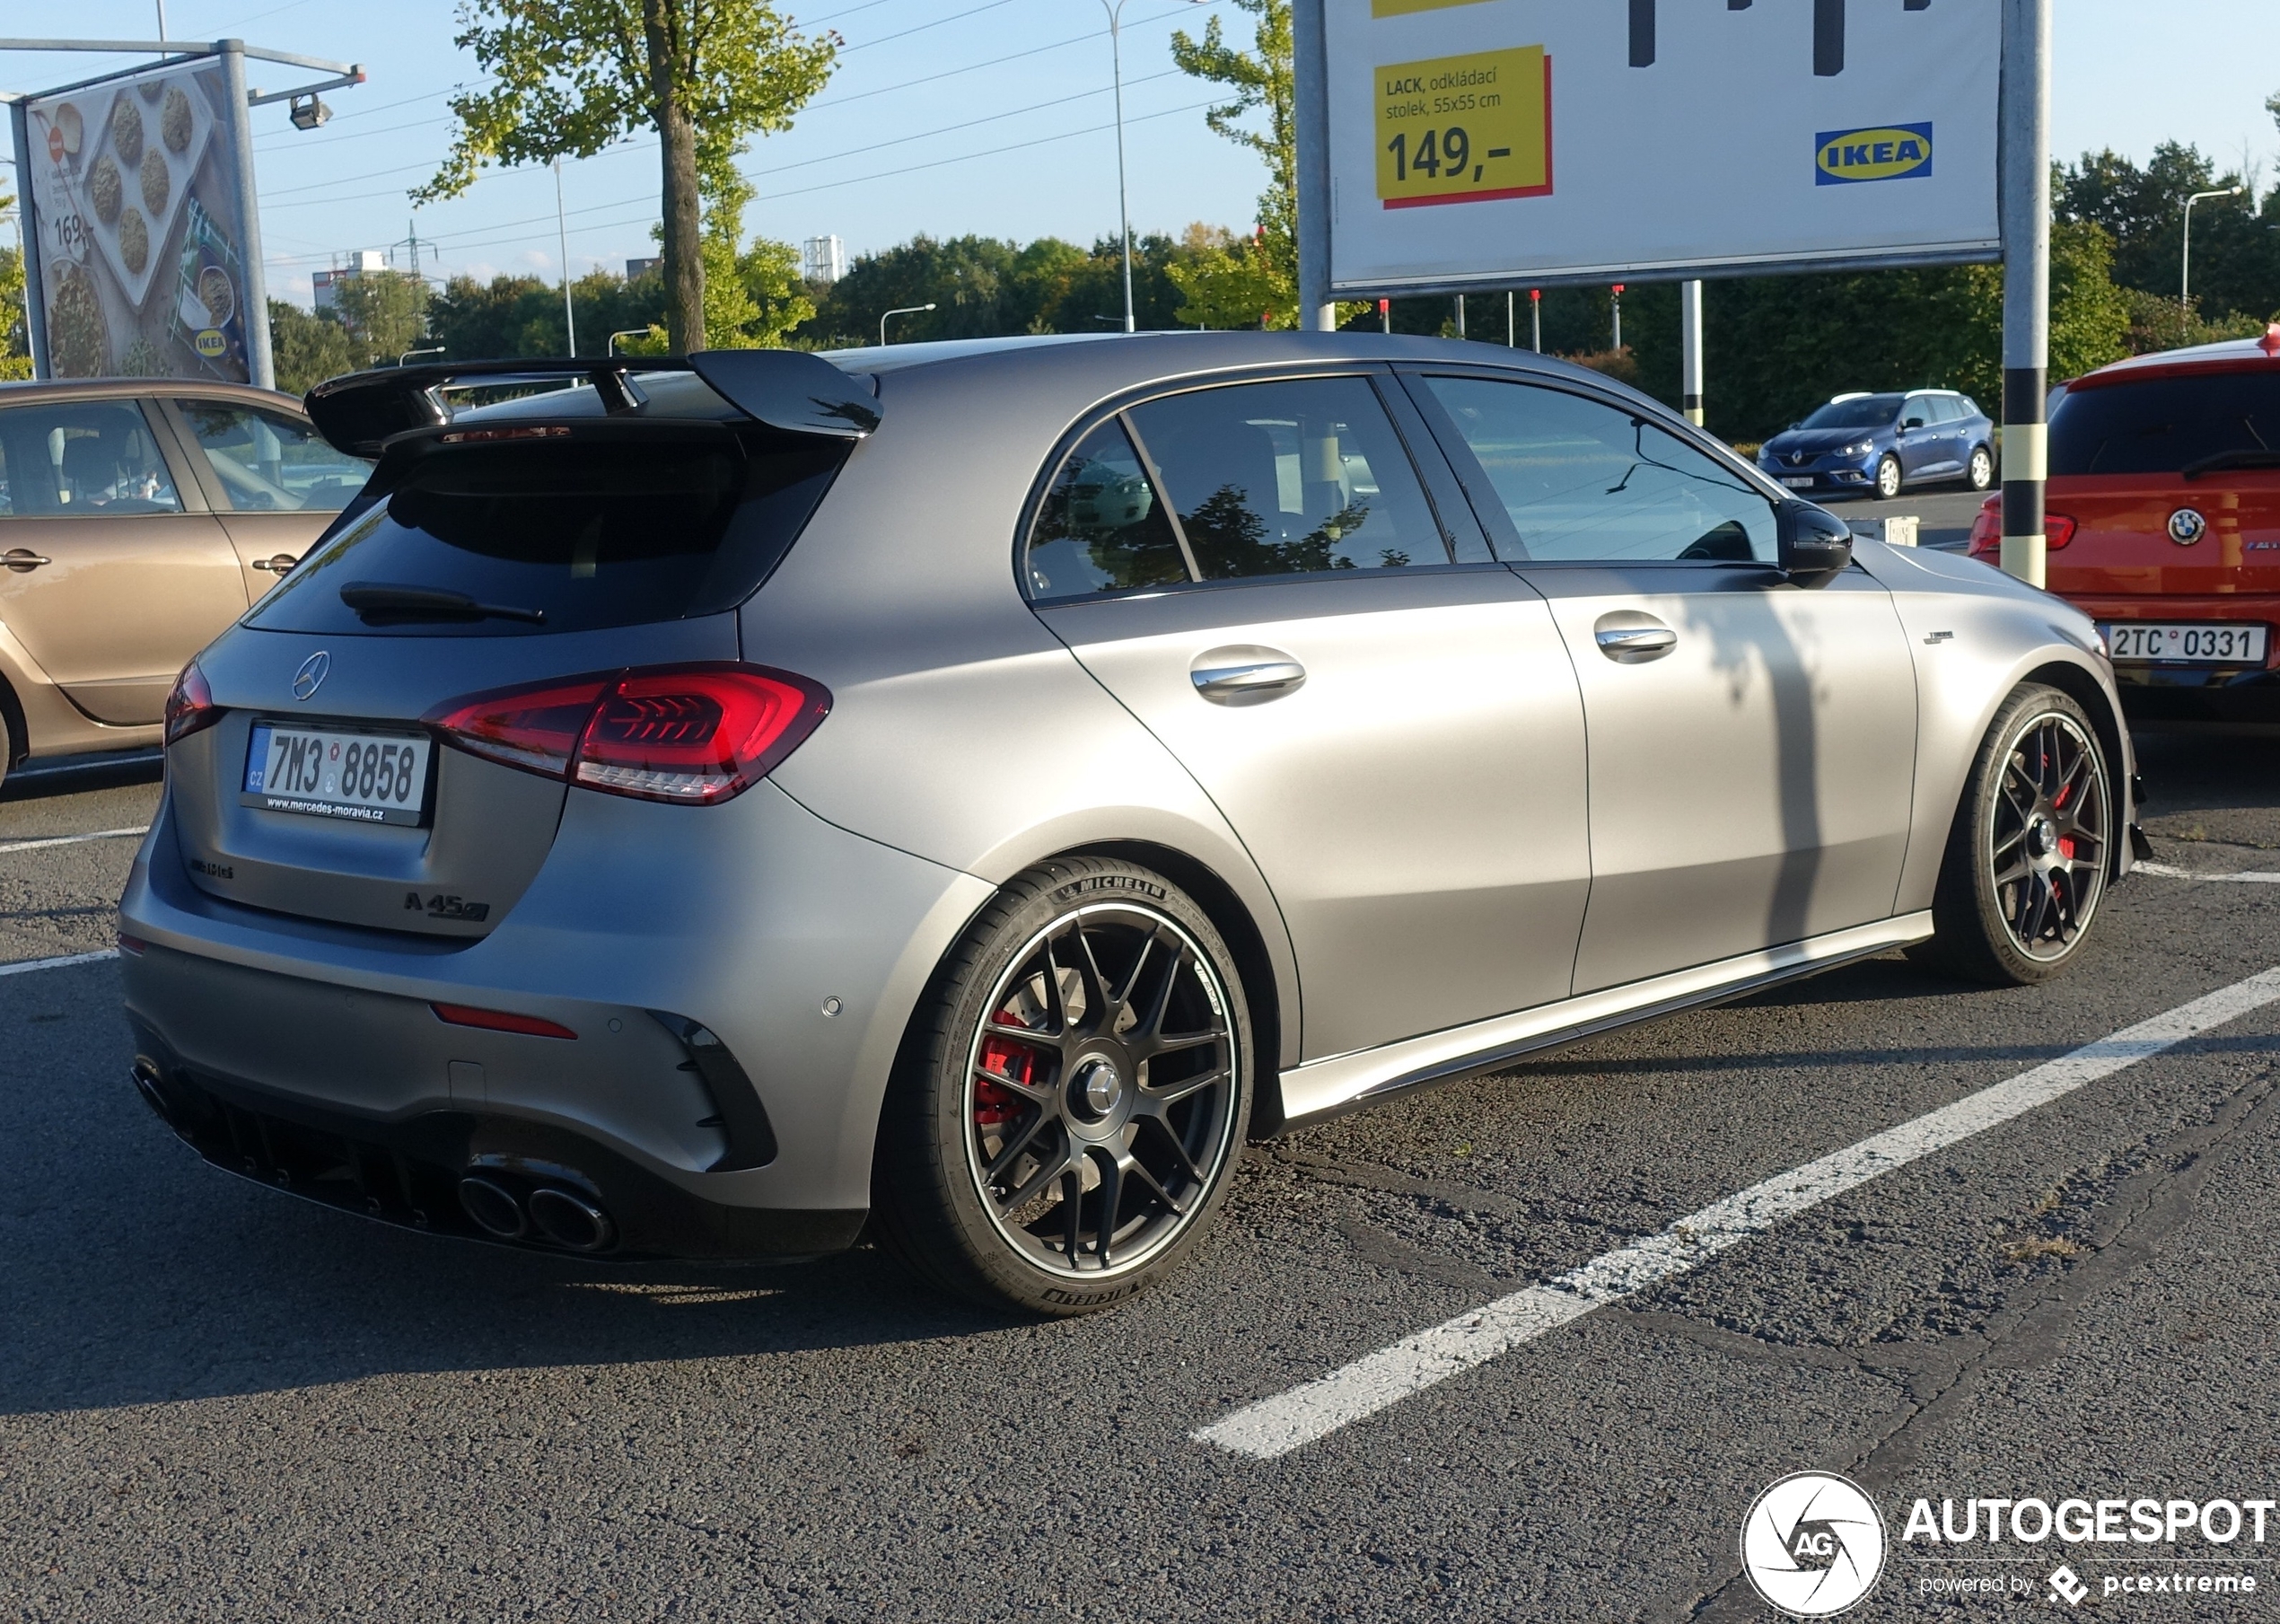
(1879, 444)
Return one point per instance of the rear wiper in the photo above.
(378, 603)
(2244, 457)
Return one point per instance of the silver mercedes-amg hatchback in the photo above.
(701, 809)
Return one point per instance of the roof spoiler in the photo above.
(792, 391)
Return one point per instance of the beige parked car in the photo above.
(139, 517)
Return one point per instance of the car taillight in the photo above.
(692, 735)
(1987, 529)
(190, 708)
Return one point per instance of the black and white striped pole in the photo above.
(2025, 191)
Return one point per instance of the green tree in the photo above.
(1250, 281)
(306, 349)
(384, 312)
(2236, 240)
(570, 77)
(15, 333)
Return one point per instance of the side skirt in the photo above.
(1322, 1089)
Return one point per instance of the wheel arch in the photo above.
(1261, 986)
(15, 732)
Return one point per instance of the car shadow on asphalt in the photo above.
(133, 1273)
(76, 775)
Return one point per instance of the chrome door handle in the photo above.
(1633, 645)
(280, 563)
(23, 560)
(1256, 677)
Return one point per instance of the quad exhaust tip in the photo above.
(570, 1220)
(562, 1216)
(493, 1208)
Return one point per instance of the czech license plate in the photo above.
(1798, 482)
(2152, 640)
(329, 773)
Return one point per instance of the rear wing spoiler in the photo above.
(793, 392)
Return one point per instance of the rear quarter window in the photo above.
(588, 533)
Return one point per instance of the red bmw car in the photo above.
(2164, 525)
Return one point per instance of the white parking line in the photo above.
(29, 965)
(100, 834)
(1276, 1426)
(2165, 871)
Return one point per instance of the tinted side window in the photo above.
(1943, 409)
(1290, 477)
(1581, 480)
(266, 461)
(1101, 527)
(2163, 424)
(95, 458)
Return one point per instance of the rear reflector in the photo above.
(131, 945)
(692, 735)
(499, 1020)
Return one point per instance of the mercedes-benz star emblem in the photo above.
(2186, 526)
(311, 677)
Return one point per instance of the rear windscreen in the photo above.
(583, 533)
(2163, 426)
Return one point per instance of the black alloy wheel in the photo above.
(2031, 847)
(1100, 1090)
(2046, 848)
(1083, 1098)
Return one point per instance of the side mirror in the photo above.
(1815, 545)
(1912, 423)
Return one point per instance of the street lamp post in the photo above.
(906, 310)
(610, 347)
(562, 237)
(2185, 258)
(1115, 9)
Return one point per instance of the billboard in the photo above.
(137, 227)
(1486, 143)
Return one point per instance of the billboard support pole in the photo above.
(1690, 351)
(35, 295)
(260, 365)
(2025, 193)
(1311, 111)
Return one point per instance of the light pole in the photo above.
(906, 310)
(406, 358)
(1115, 9)
(562, 237)
(2185, 258)
(610, 348)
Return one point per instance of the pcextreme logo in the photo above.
(1884, 152)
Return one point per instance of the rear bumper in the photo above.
(644, 919)
(408, 1170)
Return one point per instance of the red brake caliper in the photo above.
(2065, 842)
(1010, 1058)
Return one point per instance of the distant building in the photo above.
(635, 269)
(825, 260)
(347, 267)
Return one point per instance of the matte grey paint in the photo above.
(1412, 831)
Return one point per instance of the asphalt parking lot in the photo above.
(216, 1402)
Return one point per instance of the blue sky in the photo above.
(952, 116)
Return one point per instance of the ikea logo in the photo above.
(1889, 152)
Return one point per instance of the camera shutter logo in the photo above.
(1812, 1544)
(2186, 526)
(311, 674)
